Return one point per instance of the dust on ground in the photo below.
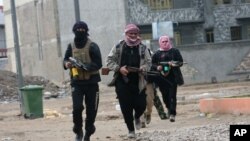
(190, 123)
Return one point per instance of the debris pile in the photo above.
(9, 86)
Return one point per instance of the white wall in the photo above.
(105, 18)
(1, 15)
(2, 34)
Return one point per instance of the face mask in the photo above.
(80, 34)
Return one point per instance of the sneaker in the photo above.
(148, 119)
(131, 134)
(137, 123)
(79, 136)
(172, 118)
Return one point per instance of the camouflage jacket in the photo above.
(114, 58)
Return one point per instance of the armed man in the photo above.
(83, 58)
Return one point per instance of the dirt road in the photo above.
(109, 123)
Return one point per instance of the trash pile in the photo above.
(9, 86)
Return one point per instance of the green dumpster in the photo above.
(32, 101)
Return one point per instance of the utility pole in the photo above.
(77, 10)
(17, 52)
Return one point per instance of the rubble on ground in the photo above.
(210, 132)
(9, 86)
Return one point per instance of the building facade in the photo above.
(195, 21)
(2, 33)
(3, 50)
(206, 31)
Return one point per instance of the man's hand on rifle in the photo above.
(68, 64)
(173, 63)
(76, 63)
(164, 67)
(159, 68)
(124, 71)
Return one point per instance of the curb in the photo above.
(225, 105)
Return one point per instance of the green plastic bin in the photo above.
(32, 101)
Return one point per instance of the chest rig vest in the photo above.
(82, 54)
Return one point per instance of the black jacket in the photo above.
(173, 54)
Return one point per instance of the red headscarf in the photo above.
(132, 28)
(165, 43)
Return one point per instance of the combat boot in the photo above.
(79, 133)
(89, 133)
(79, 136)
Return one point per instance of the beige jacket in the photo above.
(114, 57)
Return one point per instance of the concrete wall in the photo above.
(45, 29)
(37, 39)
(106, 24)
(2, 37)
(3, 63)
(219, 60)
(2, 31)
(225, 17)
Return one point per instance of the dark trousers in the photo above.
(132, 103)
(91, 94)
(169, 97)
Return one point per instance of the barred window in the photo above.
(146, 32)
(235, 33)
(248, 32)
(209, 35)
(177, 38)
(159, 4)
(247, 1)
(218, 2)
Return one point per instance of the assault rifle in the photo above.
(145, 73)
(77, 63)
(105, 71)
(134, 69)
(173, 63)
(166, 66)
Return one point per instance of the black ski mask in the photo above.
(80, 34)
(80, 29)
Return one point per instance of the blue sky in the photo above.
(1, 2)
